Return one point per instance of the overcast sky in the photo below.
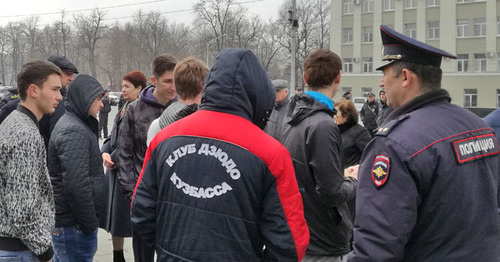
(122, 10)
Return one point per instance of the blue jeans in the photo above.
(17, 256)
(72, 245)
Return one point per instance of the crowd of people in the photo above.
(223, 164)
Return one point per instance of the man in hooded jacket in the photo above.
(76, 172)
(315, 144)
(214, 186)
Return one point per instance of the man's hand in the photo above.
(352, 171)
(106, 160)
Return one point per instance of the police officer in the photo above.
(428, 181)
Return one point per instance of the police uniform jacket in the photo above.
(214, 186)
(315, 144)
(428, 186)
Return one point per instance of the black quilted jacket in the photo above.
(74, 159)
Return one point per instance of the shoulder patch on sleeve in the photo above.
(380, 170)
(385, 129)
(472, 148)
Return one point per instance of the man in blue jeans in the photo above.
(76, 171)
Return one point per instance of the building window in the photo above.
(347, 67)
(462, 62)
(462, 28)
(433, 30)
(498, 62)
(348, 7)
(367, 34)
(411, 30)
(388, 5)
(498, 98)
(480, 62)
(367, 64)
(367, 6)
(346, 89)
(366, 91)
(498, 26)
(347, 36)
(431, 3)
(410, 4)
(479, 26)
(470, 97)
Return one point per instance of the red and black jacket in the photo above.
(214, 186)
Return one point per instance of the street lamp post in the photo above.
(210, 41)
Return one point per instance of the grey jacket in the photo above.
(315, 146)
(274, 126)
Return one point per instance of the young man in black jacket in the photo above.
(315, 144)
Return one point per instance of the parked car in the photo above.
(113, 100)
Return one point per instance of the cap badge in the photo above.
(380, 170)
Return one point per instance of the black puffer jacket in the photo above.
(315, 145)
(74, 159)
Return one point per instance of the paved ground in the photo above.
(105, 246)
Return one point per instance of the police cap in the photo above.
(399, 47)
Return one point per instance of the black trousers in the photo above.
(142, 251)
(103, 124)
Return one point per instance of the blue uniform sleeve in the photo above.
(386, 214)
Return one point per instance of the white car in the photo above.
(358, 102)
(113, 100)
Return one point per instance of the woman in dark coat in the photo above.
(354, 136)
(118, 214)
(354, 139)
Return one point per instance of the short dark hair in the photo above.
(428, 76)
(321, 68)
(189, 77)
(137, 78)
(348, 110)
(162, 64)
(381, 91)
(35, 72)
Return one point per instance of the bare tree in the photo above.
(15, 33)
(33, 34)
(89, 32)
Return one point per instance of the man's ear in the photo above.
(406, 76)
(33, 91)
(337, 79)
(153, 80)
(304, 77)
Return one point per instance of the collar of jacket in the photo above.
(426, 98)
(347, 125)
(282, 103)
(320, 97)
(28, 112)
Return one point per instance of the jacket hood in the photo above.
(237, 84)
(147, 96)
(302, 106)
(82, 92)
